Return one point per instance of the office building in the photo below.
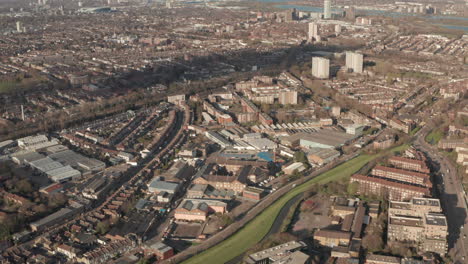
(320, 67)
(327, 9)
(354, 61)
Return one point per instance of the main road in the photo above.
(452, 197)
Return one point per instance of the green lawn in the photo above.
(255, 230)
(415, 130)
(434, 137)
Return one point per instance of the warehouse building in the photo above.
(322, 156)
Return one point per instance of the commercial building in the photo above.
(178, 172)
(160, 250)
(324, 138)
(217, 138)
(296, 166)
(322, 156)
(320, 67)
(57, 217)
(278, 254)
(79, 162)
(198, 209)
(157, 186)
(354, 61)
(35, 142)
(63, 174)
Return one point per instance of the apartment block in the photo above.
(392, 190)
(320, 68)
(354, 61)
(409, 164)
(405, 176)
(420, 221)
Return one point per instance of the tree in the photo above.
(4, 232)
(24, 187)
(103, 227)
(300, 156)
(353, 188)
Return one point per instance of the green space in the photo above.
(435, 136)
(415, 130)
(19, 82)
(255, 230)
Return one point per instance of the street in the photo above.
(452, 197)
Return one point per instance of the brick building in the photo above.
(405, 176)
(409, 164)
(369, 185)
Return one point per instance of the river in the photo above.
(283, 5)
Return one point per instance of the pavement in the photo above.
(452, 198)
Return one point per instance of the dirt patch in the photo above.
(186, 230)
(313, 214)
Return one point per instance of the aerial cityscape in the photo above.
(234, 131)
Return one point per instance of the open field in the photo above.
(255, 230)
(434, 137)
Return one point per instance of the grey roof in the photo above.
(46, 220)
(159, 185)
(28, 157)
(63, 172)
(46, 164)
(323, 136)
(200, 204)
(161, 247)
(141, 204)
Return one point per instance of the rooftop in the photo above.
(278, 250)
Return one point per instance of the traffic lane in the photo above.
(453, 204)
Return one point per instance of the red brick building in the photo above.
(404, 176)
(409, 164)
(253, 193)
(391, 190)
